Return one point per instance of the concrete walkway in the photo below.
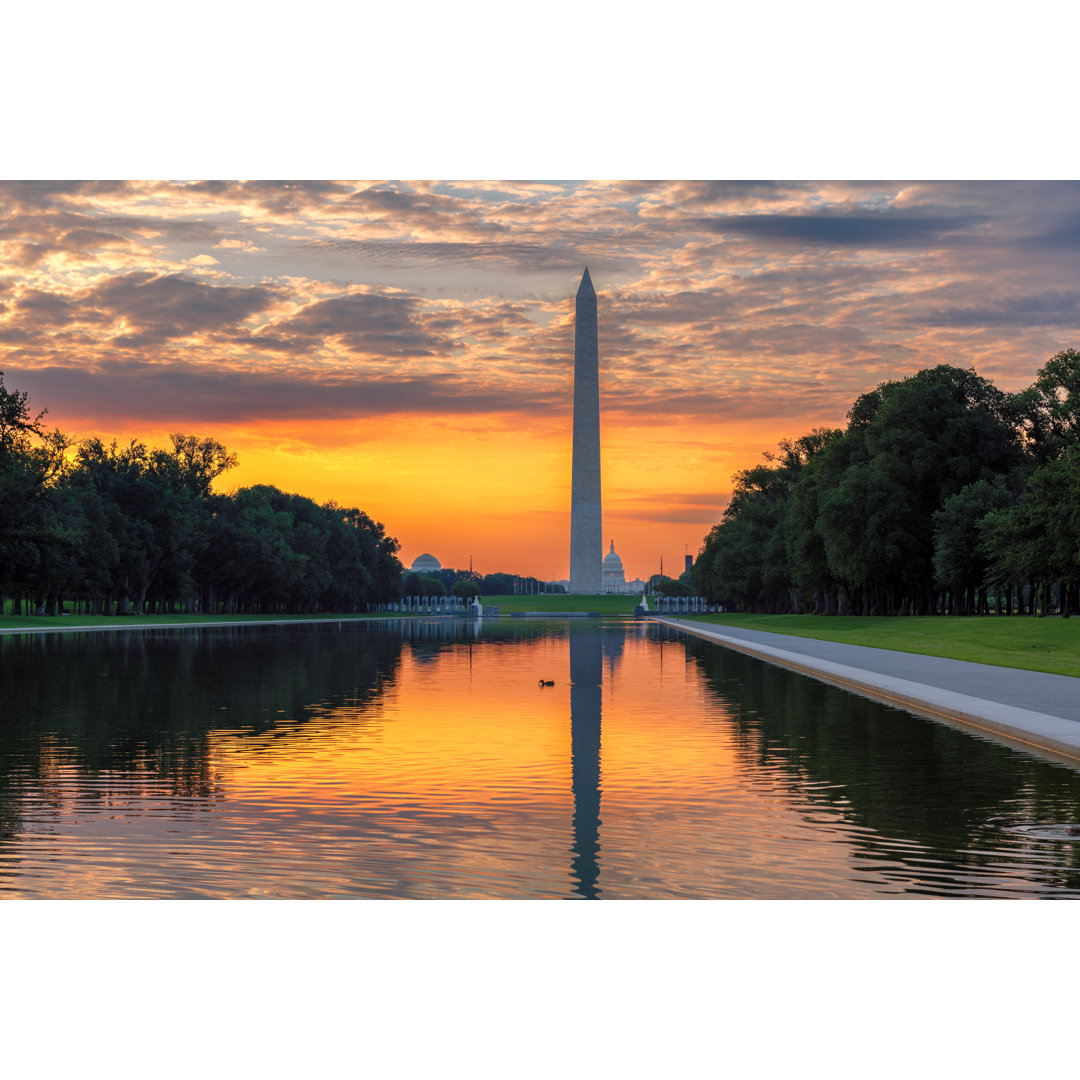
(1029, 708)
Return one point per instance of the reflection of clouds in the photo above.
(386, 776)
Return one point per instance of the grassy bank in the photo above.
(1051, 644)
(604, 605)
(507, 605)
(98, 622)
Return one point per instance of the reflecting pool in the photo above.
(431, 759)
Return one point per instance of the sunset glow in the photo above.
(407, 348)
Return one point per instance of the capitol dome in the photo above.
(613, 577)
(424, 564)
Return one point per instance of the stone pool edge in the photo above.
(1054, 736)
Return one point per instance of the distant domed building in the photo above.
(424, 564)
(612, 577)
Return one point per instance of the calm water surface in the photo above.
(423, 759)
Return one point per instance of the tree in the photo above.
(744, 563)
(143, 527)
(1049, 410)
(915, 444)
(422, 585)
(18, 428)
(815, 582)
(497, 584)
(466, 587)
(26, 467)
(961, 556)
(662, 585)
(1047, 522)
(194, 463)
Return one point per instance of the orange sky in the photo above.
(408, 347)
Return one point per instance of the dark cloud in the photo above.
(685, 307)
(416, 209)
(185, 231)
(1065, 236)
(84, 239)
(1055, 308)
(38, 308)
(729, 399)
(119, 391)
(160, 307)
(842, 230)
(54, 230)
(26, 256)
(281, 197)
(387, 325)
(533, 256)
(36, 194)
(707, 192)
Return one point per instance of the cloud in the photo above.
(161, 307)
(40, 194)
(40, 309)
(280, 198)
(531, 256)
(117, 392)
(703, 507)
(713, 192)
(842, 230)
(801, 296)
(1055, 308)
(379, 324)
(1065, 235)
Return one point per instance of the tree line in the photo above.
(469, 583)
(943, 495)
(132, 530)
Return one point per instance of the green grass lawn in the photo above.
(604, 605)
(1051, 644)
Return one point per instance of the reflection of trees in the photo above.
(431, 637)
(137, 710)
(912, 787)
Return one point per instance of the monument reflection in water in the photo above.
(419, 759)
(586, 703)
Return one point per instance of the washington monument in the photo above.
(586, 533)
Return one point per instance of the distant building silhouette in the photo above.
(613, 574)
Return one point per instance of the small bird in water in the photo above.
(547, 682)
(1073, 830)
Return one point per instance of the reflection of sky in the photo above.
(299, 323)
(463, 777)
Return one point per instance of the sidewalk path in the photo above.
(1037, 710)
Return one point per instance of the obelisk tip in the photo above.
(586, 286)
